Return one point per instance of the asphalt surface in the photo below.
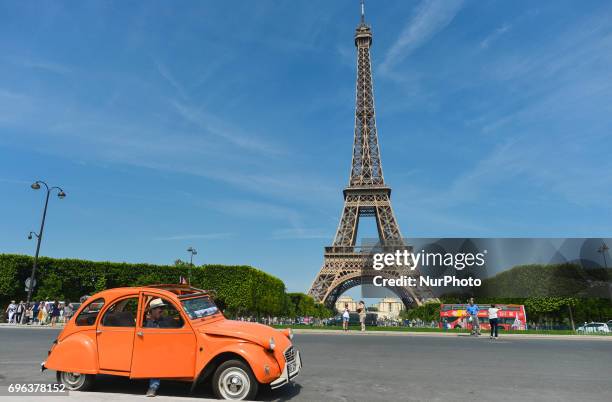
(354, 367)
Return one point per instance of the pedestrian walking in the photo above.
(472, 310)
(361, 309)
(345, 317)
(10, 311)
(493, 320)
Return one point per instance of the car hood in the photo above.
(249, 331)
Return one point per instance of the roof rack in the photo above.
(184, 290)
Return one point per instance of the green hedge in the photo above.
(240, 290)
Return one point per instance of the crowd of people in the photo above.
(38, 313)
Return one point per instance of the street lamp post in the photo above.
(60, 194)
(603, 249)
(192, 251)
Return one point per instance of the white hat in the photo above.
(156, 303)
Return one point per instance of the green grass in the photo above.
(457, 331)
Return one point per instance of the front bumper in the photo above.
(290, 371)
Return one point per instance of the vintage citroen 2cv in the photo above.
(192, 341)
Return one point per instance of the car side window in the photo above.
(90, 313)
(160, 313)
(121, 314)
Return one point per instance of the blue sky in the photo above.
(228, 126)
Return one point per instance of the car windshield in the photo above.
(199, 307)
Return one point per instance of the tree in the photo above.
(426, 312)
(239, 289)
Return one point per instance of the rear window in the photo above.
(90, 313)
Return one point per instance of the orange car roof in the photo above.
(182, 290)
(179, 290)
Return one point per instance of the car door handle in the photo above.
(98, 331)
(139, 333)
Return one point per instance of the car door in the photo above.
(166, 350)
(115, 335)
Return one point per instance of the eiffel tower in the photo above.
(345, 264)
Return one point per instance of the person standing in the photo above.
(361, 309)
(29, 314)
(35, 311)
(61, 313)
(67, 312)
(472, 310)
(11, 310)
(493, 320)
(42, 313)
(54, 312)
(345, 317)
(20, 312)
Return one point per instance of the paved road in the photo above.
(373, 367)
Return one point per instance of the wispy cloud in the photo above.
(224, 130)
(206, 236)
(486, 42)
(47, 66)
(431, 17)
(169, 77)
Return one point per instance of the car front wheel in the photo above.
(75, 381)
(234, 380)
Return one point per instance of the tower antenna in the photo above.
(362, 11)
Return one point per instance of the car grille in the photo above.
(290, 355)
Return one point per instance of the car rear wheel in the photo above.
(234, 380)
(75, 381)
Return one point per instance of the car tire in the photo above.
(234, 380)
(75, 381)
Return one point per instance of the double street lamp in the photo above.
(60, 194)
(192, 251)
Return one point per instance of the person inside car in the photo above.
(155, 319)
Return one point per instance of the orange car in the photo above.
(193, 341)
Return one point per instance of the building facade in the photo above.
(390, 308)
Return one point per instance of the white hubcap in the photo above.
(234, 383)
(72, 381)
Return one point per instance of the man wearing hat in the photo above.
(155, 319)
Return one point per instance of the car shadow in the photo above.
(123, 385)
(284, 393)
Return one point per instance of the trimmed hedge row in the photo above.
(240, 290)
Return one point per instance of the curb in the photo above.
(15, 326)
(451, 335)
(101, 397)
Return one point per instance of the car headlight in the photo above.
(272, 344)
